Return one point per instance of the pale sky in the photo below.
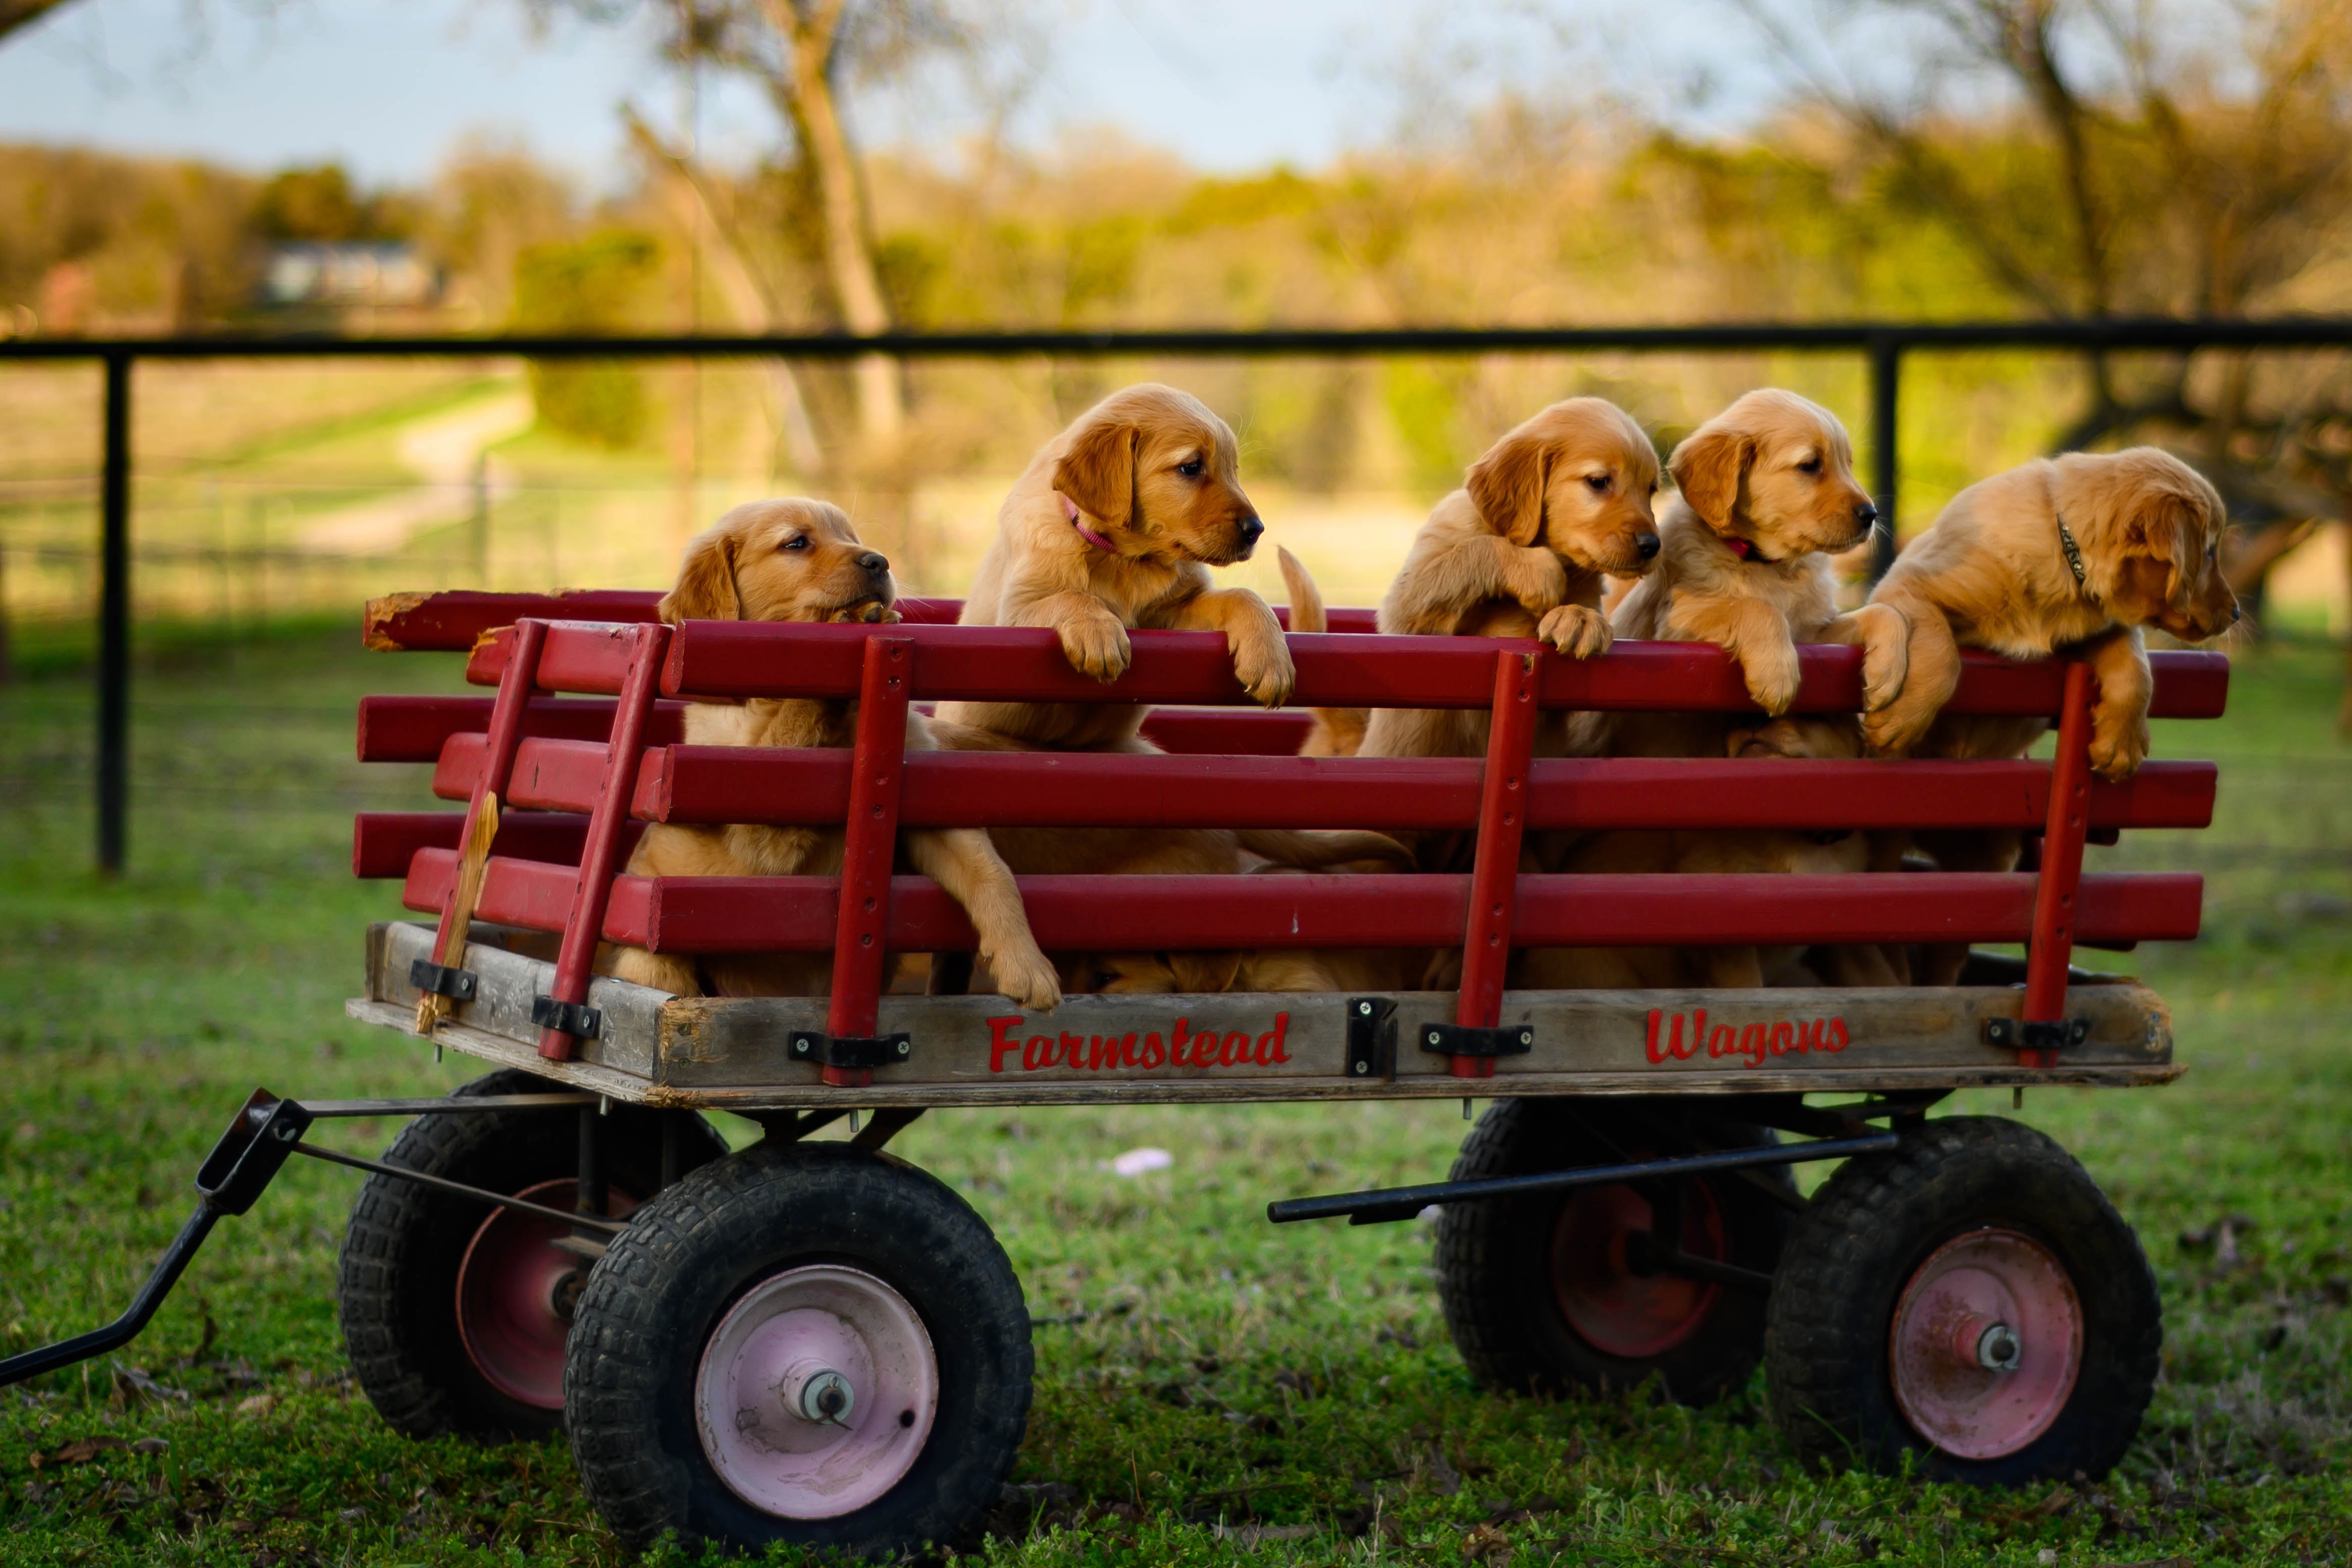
(388, 86)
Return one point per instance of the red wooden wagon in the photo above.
(814, 1342)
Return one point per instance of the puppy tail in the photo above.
(1337, 731)
(1306, 599)
(1310, 848)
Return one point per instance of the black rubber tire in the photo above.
(397, 1285)
(1863, 1237)
(1494, 1258)
(657, 1297)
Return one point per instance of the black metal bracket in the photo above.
(577, 1020)
(441, 980)
(2020, 1034)
(1371, 1038)
(824, 1050)
(1469, 1039)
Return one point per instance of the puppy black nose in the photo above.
(1646, 544)
(2234, 613)
(874, 562)
(1865, 514)
(1250, 529)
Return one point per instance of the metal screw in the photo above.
(1436, 1038)
(1363, 1006)
(1363, 1067)
(904, 1047)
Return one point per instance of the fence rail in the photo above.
(1883, 344)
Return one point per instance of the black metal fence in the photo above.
(1884, 345)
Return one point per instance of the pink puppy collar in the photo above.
(1085, 532)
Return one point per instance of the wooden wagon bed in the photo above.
(577, 775)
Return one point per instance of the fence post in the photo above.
(114, 621)
(1886, 385)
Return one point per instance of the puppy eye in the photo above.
(798, 542)
(1600, 483)
(2213, 552)
(1809, 465)
(1191, 468)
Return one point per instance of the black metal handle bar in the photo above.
(2177, 334)
(1381, 1205)
(266, 1131)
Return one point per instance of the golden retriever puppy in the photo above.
(801, 560)
(2076, 552)
(1766, 493)
(1520, 550)
(1114, 526)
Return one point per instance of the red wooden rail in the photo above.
(454, 621)
(414, 729)
(810, 787)
(751, 915)
(733, 659)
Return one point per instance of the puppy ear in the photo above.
(1507, 484)
(705, 583)
(1707, 468)
(1198, 972)
(1099, 471)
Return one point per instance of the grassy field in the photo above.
(1210, 1388)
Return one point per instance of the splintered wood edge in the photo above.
(376, 619)
(630, 1087)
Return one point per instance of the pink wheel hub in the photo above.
(817, 1392)
(1986, 1345)
(1598, 1270)
(514, 1285)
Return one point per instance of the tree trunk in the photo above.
(848, 252)
(689, 196)
(2344, 712)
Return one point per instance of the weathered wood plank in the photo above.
(507, 982)
(502, 1052)
(1104, 1050)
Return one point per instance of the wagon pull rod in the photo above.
(267, 1130)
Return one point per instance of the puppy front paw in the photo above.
(1886, 654)
(1772, 673)
(1096, 646)
(2118, 741)
(1889, 732)
(1539, 579)
(1577, 631)
(1027, 977)
(1263, 664)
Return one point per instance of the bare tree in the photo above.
(2116, 157)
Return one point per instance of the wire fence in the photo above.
(236, 549)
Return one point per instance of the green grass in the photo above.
(1197, 1368)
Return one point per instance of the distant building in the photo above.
(348, 273)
